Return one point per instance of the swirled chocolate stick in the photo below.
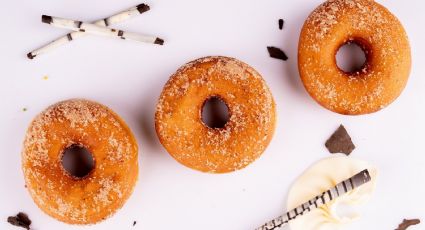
(99, 30)
(114, 19)
(337, 191)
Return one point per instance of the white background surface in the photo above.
(128, 77)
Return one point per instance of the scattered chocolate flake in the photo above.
(277, 53)
(281, 24)
(20, 220)
(134, 223)
(407, 223)
(340, 142)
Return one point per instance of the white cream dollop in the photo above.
(322, 176)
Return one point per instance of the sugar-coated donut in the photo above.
(104, 134)
(178, 119)
(381, 36)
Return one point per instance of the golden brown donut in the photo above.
(384, 41)
(104, 134)
(244, 137)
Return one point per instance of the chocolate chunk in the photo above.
(277, 53)
(340, 142)
(134, 223)
(20, 220)
(407, 223)
(281, 24)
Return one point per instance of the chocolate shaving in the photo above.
(134, 223)
(340, 142)
(281, 24)
(20, 220)
(277, 53)
(407, 223)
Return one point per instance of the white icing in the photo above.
(322, 176)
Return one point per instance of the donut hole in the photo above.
(215, 113)
(351, 57)
(77, 161)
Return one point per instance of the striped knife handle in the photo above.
(339, 190)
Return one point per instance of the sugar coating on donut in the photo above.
(209, 149)
(337, 22)
(104, 190)
(327, 15)
(79, 114)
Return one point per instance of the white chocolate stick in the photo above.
(117, 18)
(99, 30)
